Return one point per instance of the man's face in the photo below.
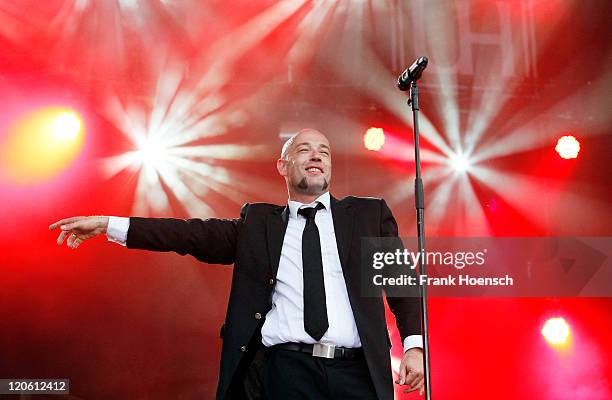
(307, 167)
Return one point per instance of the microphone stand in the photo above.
(419, 198)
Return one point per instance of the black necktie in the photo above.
(315, 311)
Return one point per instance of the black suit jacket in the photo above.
(253, 244)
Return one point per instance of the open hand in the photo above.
(79, 229)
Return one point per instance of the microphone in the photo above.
(412, 73)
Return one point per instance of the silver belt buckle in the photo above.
(323, 350)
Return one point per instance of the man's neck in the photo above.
(304, 198)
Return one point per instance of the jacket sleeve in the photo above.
(210, 240)
(403, 304)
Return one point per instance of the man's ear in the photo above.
(281, 166)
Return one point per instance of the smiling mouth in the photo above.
(314, 170)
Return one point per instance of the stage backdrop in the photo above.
(179, 108)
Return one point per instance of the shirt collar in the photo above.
(294, 206)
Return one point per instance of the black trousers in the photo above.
(295, 375)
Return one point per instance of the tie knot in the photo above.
(310, 212)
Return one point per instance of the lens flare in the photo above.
(556, 331)
(374, 139)
(41, 144)
(568, 147)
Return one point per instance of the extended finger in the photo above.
(411, 390)
(402, 377)
(62, 236)
(420, 386)
(77, 241)
(412, 378)
(71, 240)
(420, 382)
(64, 222)
(71, 226)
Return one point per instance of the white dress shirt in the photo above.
(285, 320)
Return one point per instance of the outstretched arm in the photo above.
(212, 240)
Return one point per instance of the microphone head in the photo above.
(412, 73)
(403, 83)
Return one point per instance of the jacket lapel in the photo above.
(276, 226)
(342, 214)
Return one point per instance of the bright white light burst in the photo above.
(460, 162)
(66, 126)
(169, 156)
(151, 153)
(556, 331)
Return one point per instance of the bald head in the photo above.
(294, 139)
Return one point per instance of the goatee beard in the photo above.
(311, 190)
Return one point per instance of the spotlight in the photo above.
(41, 144)
(374, 139)
(556, 331)
(66, 125)
(568, 147)
(151, 153)
(460, 162)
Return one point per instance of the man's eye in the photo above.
(302, 150)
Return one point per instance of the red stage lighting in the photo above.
(568, 147)
(374, 139)
(41, 144)
(556, 331)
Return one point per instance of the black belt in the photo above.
(322, 350)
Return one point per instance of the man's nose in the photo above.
(315, 157)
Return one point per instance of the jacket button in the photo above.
(243, 349)
(271, 281)
(257, 315)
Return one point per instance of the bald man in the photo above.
(297, 324)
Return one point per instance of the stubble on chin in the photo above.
(312, 189)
